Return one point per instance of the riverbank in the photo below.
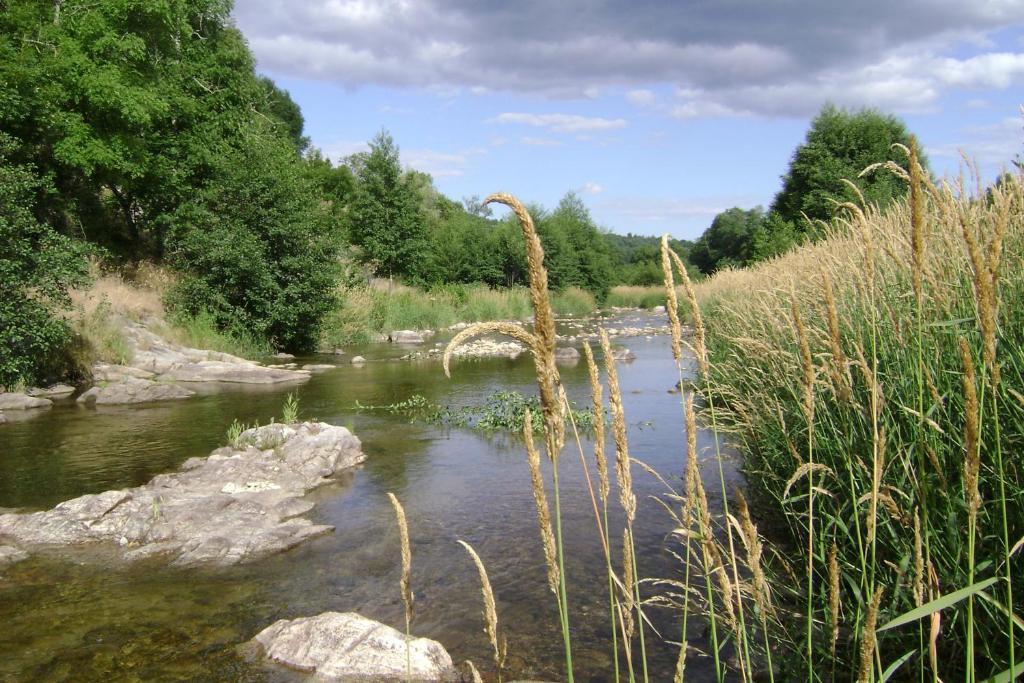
(878, 374)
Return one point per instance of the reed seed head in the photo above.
(754, 548)
(916, 222)
(622, 464)
(867, 648)
(628, 579)
(597, 405)
(972, 462)
(547, 535)
(834, 602)
(490, 609)
(699, 334)
(406, 581)
(671, 302)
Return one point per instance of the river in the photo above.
(67, 616)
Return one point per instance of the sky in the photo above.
(660, 114)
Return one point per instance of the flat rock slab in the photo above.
(133, 390)
(220, 371)
(52, 391)
(336, 646)
(18, 401)
(241, 503)
(318, 367)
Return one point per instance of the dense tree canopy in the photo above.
(385, 219)
(839, 145)
(729, 240)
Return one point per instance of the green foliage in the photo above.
(502, 411)
(37, 266)
(102, 337)
(839, 145)
(256, 247)
(290, 409)
(201, 331)
(637, 258)
(729, 240)
(385, 217)
(573, 301)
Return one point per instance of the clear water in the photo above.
(74, 615)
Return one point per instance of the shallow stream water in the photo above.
(75, 616)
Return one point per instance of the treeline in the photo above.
(139, 131)
(825, 171)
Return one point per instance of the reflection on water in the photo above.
(68, 618)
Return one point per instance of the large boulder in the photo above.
(133, 390)
(567, 354)
(243, 502)
(337, 646)
(18, 401)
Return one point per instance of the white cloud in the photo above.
(540, 142)
(642, 97)
(768, 59)
(440, 164)
(561, 123)
(590, 187)
(992, 146)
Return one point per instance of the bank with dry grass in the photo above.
(874, 383)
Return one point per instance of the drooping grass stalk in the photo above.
(406, 580)
(490, 611)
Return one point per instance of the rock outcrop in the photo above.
(241, 503)
(52, 391)
(17, 401)
(336, 646)
(154, 357)
(133, 390)
(9, 555)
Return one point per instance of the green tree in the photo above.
(728, 241)
(256, 246)
(37, 266)
(582, 257)
(385, 220)
(282, 107)
(839, 145)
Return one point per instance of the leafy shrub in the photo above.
(37, 266)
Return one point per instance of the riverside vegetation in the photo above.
(873, 382)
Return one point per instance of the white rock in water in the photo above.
(133, 390)
(242, 503)
(358, 360)
(52, 391)
(18, 401)
(337, 646)
(410, 336)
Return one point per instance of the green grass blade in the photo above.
(891, 669)
(939, 603)
(1006, 676)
